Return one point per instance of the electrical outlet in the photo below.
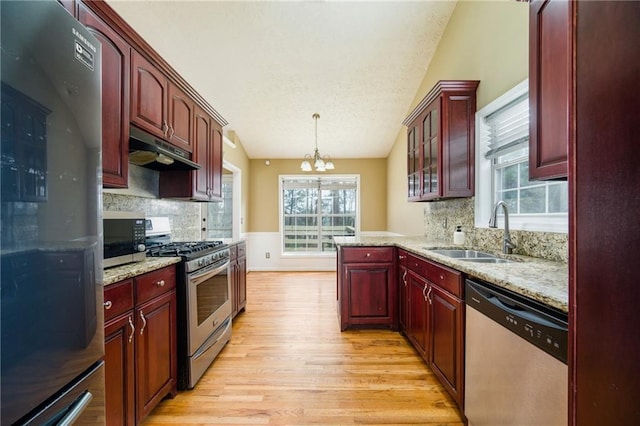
(444, 223)
(267, 255)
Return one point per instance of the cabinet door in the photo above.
(10, 153)
(403, 296)
(550, 87)
(202, 137)
(119, 370)
(430, 151)
(242, 283)
(418, 315)
(413, 163)
(457, 155)
(156, 357)
(148, 96)
(116, 70)
(181, 112)
(447, 349)
(215, 163)
(368, 295)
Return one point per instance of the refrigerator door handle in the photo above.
(76, 409)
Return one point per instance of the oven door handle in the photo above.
(208, 271)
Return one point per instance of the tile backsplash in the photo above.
(546, 245)
(142, 196)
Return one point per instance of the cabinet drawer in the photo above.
(417, 265)
(367, 254)
(445, 278)
(118, 298)
(155, 283)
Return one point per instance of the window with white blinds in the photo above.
(315, 209)
(503, 168)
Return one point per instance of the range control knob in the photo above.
(200, 262)
(141, 248)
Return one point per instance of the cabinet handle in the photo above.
(171, 131)
(160, 283)
(144, 322)
(368, 255)
(442, 276)
(404, 278)
(402, 257)
(165, 128)
(423, 294)
(108, 305)
(133, 329)
(429, 295)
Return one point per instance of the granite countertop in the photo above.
(539, 279)
(130, 270)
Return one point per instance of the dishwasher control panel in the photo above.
(527, 318)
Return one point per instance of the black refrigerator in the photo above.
(51, 323)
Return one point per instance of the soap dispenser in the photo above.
(458, 236)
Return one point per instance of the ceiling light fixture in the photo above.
(320, 163)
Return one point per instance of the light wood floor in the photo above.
(288, 364)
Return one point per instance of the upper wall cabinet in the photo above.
(204, 184)
(441, 142)
(550, 87)
(159, 106)
(116, 57)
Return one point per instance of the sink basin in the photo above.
(466, 254)
(471, 256)
(485, 260)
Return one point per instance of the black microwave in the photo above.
(124, 237)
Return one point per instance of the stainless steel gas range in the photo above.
(203, 294)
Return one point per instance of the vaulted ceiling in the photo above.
(267, 67)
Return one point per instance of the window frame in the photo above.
(281, 218)
(485, 183)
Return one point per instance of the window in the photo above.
(503, 169)
(314, 209)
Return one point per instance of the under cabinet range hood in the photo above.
(148, 151)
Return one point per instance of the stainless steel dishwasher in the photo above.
(516, 354)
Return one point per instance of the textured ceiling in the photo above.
(266, 67)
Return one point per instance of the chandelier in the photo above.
(320, 163)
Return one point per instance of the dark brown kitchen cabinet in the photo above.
(149, 96)
(238, 277)
(367, 287)
(116, 70)
(550, 87)
(435, 319)
(446, 357)
(204, 184)
(119, 332)
(159, 106)
(403, 298)
(441, 142)
(140, 345)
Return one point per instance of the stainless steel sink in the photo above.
(471, 256)
(486, 260)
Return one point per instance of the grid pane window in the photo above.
(523, 196)
(315, 210)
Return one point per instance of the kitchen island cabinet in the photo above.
(441, 142)
(367, 287)
(140, 345)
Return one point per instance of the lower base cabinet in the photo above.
(140, 345)
(434, 318)
(238, 272)
(367, 287)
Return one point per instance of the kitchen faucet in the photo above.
(507, 244)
